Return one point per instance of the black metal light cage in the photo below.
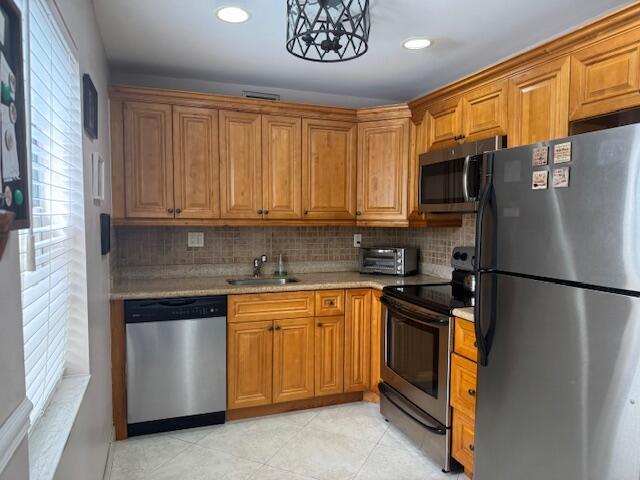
(328, 30)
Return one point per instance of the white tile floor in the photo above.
(344, 442)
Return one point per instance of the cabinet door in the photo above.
(148, 158)
(329, 375)
(444, 120)
(328, 170)
(376, 339)
(196, 165)
(462, 441)
(357, 340)
(539, 103)
(485, 111)
(293, 358)
(383, 167)
(250, 364)
(605, 77)
(240, 165)
(281, 167)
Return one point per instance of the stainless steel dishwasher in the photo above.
(176, 363)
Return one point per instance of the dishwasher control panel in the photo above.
(157, 310)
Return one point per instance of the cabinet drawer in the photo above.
(464, 340)
(270, 306)
(329, 303)
(463, 385)
(463, 438)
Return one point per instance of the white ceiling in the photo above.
(185, 39)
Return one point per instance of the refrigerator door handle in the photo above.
(465, 178)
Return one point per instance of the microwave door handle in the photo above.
(465, 178)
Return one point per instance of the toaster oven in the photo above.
(389, 261)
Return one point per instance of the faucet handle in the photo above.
(263, 258)
(256, 262)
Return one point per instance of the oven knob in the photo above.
(456, 256)
(464, 257)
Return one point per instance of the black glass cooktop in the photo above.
(442, 298)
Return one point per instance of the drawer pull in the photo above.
(270, 329)
(475, 344)
(472, 447)
(471, 392)
(331, 303)
(320, 325)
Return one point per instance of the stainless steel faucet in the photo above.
(257, 265)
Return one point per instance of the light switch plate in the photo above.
(357, 240)
(195, 239)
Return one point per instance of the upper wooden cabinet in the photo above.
(605, 77)
(328, 170)
(539, 103)
(357, 340)
(240, 165)
(281, 167)
(148, 160)
(383, 164)
(485, 111)
(196, 169)
(444, 121)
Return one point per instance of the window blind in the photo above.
(52, 251)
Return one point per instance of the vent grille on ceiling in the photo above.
(261, 95)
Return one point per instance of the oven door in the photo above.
(416, 349)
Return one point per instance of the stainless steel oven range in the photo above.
(416, 346)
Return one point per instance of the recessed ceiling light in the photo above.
(416, 43)
(232, 14)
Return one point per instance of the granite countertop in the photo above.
(464, 313)
(143, 288)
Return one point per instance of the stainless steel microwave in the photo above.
(451, 179)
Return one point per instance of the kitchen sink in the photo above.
(261, 281)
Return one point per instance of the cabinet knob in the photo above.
(170, 210)
(475, 344)
(472, 392)
(472, 447)
(270, 329)
(278, 327)
(178, 211)
(259, 212)
(358, 213)
(320, 325)
(306, 212)
(266, 212)
(331, 303)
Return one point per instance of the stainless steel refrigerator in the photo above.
(558, 310)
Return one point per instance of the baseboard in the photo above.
(293, 406)
(13, 431)
(109, 464)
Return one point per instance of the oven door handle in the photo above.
(384, 390)
(414, 317)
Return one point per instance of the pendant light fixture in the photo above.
(328, 30)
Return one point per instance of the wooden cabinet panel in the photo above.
(196, 165)
(485, 111)
(464, 339)
(328, 170)
(281, 167)
(240, 165)
(444, 120)
(539, 103)
(329, 303)
(463, 385)
(249, 364)
(383, 168)
(605, 77)
(270, 306)
(148, 158)
(357, 344)
(329, 361)
(462, 441)
(376, 339)
(293, 359)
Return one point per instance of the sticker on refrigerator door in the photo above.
(540, 180)
(561, 177)
(540, 156)
(562, 152)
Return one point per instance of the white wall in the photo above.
(85, 455)
(207, 86)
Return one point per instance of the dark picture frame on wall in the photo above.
(14, 171)
(90, 106)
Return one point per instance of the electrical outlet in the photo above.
(357, 240)
(195, 239)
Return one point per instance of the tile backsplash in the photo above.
(230, 250)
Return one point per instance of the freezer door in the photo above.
(560, 395)
(587, 232)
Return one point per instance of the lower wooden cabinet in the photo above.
(249, 364)
(293, 359)
(329, 350)
(462, 442)
(357, 343)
